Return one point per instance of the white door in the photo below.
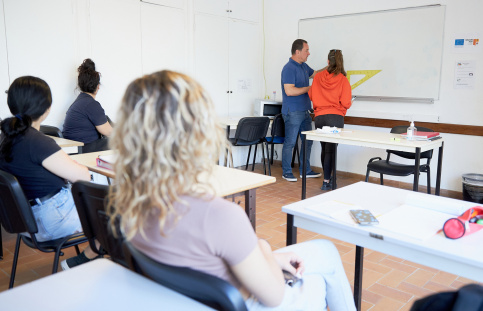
(211, 58)
(244, 67)
(41, 42)
(116, 48)
(215, 7)
(164, 38)
(248, 10)
(4, 80)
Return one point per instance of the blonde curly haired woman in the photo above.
(168, 138)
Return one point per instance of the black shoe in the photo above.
(327, 185)
(75, 261)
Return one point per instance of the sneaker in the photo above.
(75, 261)
(312, 174)
(326, 186)
(289, 177)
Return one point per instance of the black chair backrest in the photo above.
(90, 200)
(205, 288)
(278, 126)
(252, 129)
(16, 214)
(51, 130)
(399, 129)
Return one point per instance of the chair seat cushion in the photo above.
(392, 168)
(71, 240)
(243, 142)
(276, 140)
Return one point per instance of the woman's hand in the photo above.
(290, 262)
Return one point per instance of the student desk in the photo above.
(462, 257)
(227, 181)
(380, 140)
(67, 143)
(100, 285)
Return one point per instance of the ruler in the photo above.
(367, 75)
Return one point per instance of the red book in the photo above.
(106, 161)
(420, 134)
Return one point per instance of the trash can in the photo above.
(473, 187)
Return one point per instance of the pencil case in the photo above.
(469, 222)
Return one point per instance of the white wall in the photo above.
(462, 153)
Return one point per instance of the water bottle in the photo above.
(274, 95)
(411, 131)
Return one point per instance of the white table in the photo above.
(463, 257)
(380, 140)
(226, 181)
(97, 285)
(67, 143)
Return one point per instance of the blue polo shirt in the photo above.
(297, 74)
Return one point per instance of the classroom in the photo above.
(236, 51)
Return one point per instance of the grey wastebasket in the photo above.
(473, 187)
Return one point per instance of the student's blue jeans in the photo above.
(295, 122)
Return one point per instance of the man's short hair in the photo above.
(298, 45)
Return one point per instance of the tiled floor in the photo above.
(389, 283)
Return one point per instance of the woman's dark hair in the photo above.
(28, 99)
(336, 62)
(88, 78)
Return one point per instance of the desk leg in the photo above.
(79, 149)
(250, 206)
(416, 169)
(358, 277)
(304, 166)
(226, 151)
(291, 231)
(334, 168)
(440, 165)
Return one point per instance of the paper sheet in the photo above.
(109, 158)
(436, 203)
(328, 130)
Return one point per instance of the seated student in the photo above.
(40, 165)
(85, 121)
(171, 214)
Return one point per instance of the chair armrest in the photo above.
(374, 159)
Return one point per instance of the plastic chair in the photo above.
(207, 289)
(90, 201)
(51, 130)
(252, 131)
(16, 216)
(277, 136)
(387, 167)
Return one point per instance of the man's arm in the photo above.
(317, 71)
(292, 90)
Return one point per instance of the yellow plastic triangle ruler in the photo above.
(367, 75)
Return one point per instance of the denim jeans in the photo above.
(57, 217)
(324, 282)
(295, 122)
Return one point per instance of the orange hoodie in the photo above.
(330, 94)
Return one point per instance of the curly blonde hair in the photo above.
(167, 137)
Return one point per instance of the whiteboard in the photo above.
(393, 53)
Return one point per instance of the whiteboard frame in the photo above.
(394, 98)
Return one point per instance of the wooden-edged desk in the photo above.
(227, 181)
(67, 143)
(462, 257)
(100, 284)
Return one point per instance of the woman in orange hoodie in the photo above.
(331, 97)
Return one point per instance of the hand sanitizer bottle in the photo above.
(411, 131)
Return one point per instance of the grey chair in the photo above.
(16, 216)
(207, 289)
(387, 167)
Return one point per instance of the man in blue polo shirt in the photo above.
(296, 105)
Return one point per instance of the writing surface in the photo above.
(393, 53)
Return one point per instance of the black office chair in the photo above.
(90, 201)
(252, 131)
(387, 167)
(207, 289)
(277, 136)
(51, 130)
(16, 216)
(467, 298)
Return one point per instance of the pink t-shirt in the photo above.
(209, 236)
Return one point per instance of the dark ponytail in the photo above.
(88, 78)
(336, 62)
(28, 99)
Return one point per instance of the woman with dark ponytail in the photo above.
(85, 120)
(41, 167)
(331, 97)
